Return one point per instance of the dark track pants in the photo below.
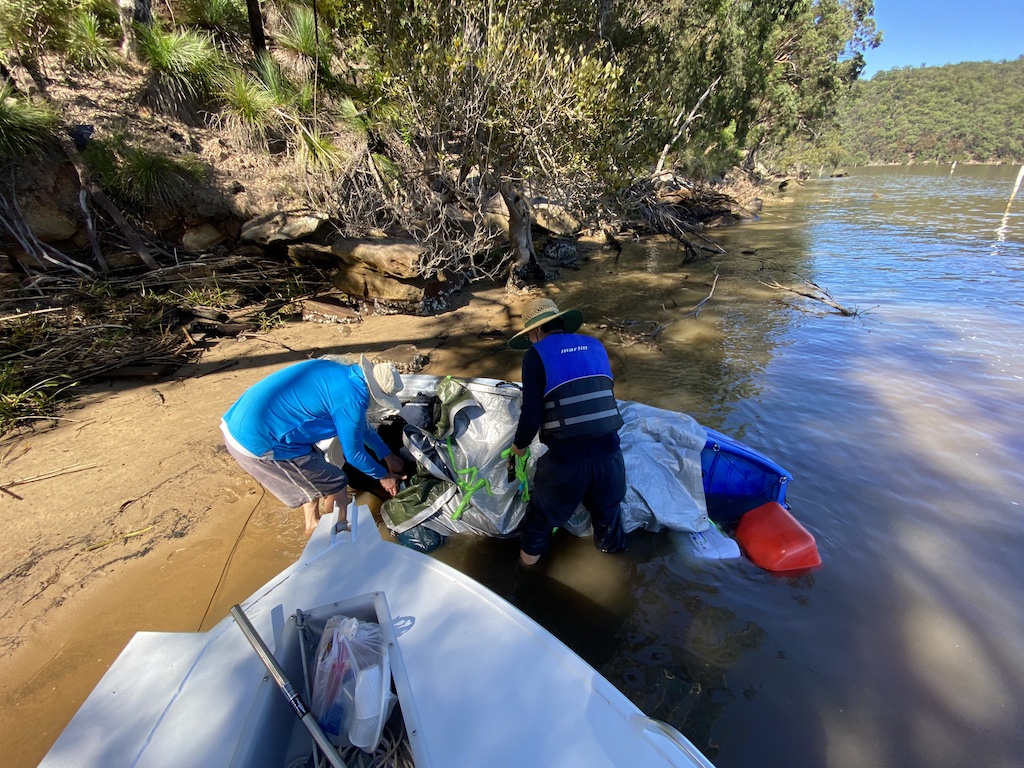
(598, 482)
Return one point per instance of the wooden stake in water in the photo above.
(1020, 177)
(1001, 232)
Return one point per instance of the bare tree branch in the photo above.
(817, 294)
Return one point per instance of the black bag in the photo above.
(421, 538)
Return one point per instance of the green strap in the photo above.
(521, 476)
(469, 485)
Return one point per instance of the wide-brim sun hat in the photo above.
(383, 382)
(538, 312)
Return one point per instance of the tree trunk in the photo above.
(682, 127)
(259, 40)
(520, 229)
(129, 12)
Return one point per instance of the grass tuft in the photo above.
(184, 69)
(249, 107)
(140, 178)
(318, 150)
(26, 128)
(87, 47)
(298, 45)
(20, 403)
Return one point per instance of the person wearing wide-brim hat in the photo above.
(273, 428)
(539, 312)
(569, 399)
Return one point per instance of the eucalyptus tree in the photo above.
(132, 13)
(761, 71)
(816, 57)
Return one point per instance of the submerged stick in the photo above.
(700, 305)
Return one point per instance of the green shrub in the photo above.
(302, 45)
(152, 180)
(139, 178)
(249, 109)
(19, 402)
(226, 20)
(319, 151)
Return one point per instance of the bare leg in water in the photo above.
(312, 512)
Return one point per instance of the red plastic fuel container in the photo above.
(775, 540)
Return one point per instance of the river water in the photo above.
(903, 426)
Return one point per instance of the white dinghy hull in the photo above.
(479, 682)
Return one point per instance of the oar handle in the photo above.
(296, 702)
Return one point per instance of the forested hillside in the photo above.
(971, 112)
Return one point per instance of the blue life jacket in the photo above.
(579, 401)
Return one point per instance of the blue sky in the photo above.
(937, 32)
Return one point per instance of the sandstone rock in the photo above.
(305, 254)
(397, 257)
(362, 282)
(122, 260)
(283, 227)
(554, 217)
(325, 311)
(418, 296)
(49, 224)
(496, 222)
(202, 238)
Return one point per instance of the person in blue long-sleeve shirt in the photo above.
(273, 428)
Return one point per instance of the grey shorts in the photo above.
(294, 481)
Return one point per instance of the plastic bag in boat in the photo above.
(352, 695)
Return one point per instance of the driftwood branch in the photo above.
(14, 222)
(87, 184)
(632, 332)
(816, 293)
(700, 305)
